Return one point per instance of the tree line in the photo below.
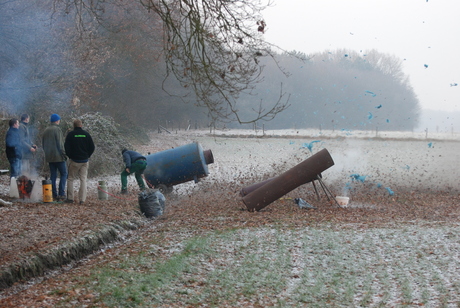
(142, 62)
(340, 89)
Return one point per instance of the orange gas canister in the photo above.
(47, 191)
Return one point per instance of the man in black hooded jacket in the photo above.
(79, 147)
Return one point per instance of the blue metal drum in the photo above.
(177, 165)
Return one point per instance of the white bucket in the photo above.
(342, 201)
(14, 192)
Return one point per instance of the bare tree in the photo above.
(388, 64)
(212, 47)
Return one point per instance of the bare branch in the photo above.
(213, 47)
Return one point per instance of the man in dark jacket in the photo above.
(28, 147)
(53, 146)
(13, 148)
(134, 163)
(79, 147)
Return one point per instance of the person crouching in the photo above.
(134, 163)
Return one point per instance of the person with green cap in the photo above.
(53, 146)
(134, 163)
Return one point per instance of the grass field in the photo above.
(407, 266)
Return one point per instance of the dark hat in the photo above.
(54, 118)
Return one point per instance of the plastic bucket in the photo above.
(14, 192)
(342, 201)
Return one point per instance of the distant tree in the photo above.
(343, 89)
(211, 47)
(388, 64)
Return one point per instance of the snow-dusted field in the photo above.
(382, 162)
(393, 161)
(404, 264)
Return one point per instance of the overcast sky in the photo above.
(420, 32)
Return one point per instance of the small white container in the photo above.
(342, 201)
(14, 191)
(102, 191)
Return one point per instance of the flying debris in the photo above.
(425, 65)
(390, 191)
(303, 204)
(430, 145)
(261, 26)
(310, 145)
(454, 84)
(357, 177)
(347, 131)
(371, 93)
(379, 106)
(370, 116)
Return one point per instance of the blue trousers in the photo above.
(62, 168)
(15, 165)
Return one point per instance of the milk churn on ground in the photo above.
(102, 191)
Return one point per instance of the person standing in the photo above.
(134, 163)
(27, 147)
(13, 148)
(53, 146)
(79, 147)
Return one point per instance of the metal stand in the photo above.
(326, 190)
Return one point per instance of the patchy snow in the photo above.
(330, 264)
(383, 165)
(394, 161)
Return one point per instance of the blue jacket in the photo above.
(13, 143)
